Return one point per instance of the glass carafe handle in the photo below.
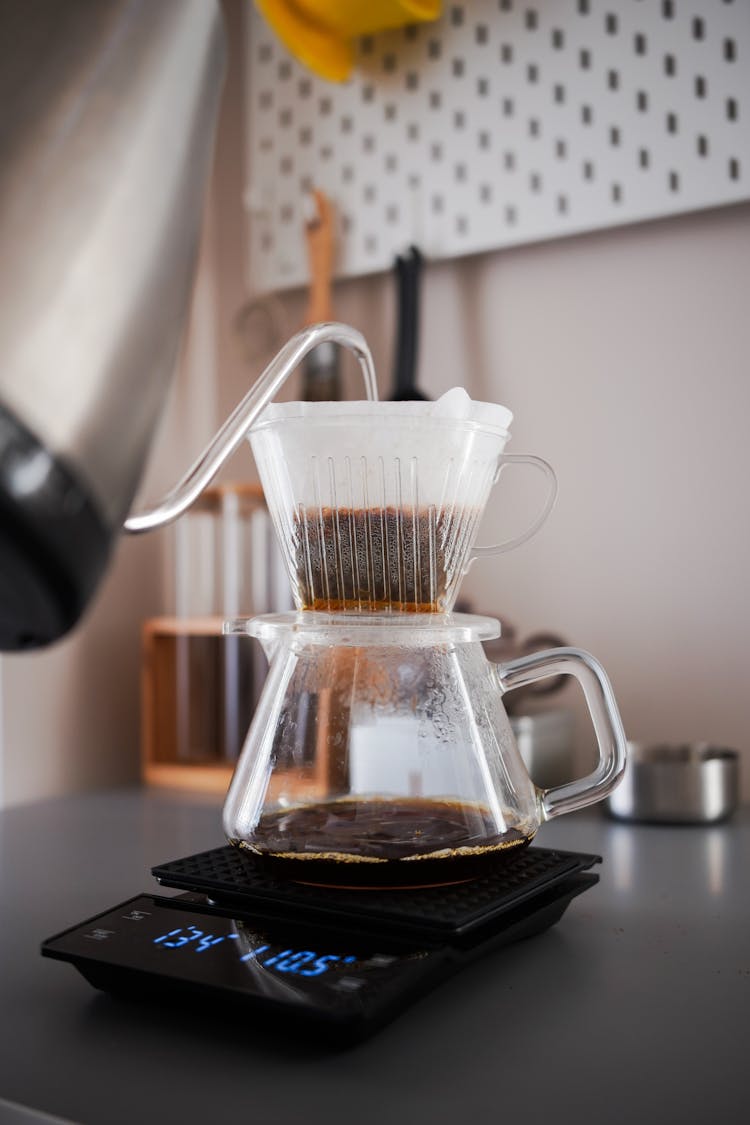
(546, 469)
(605, 717)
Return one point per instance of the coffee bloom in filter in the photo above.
(377, 504)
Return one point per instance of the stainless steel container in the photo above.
(689, 783)
(545, 742)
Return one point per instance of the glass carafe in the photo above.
(381, 754)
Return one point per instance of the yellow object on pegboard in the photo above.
(321, 34)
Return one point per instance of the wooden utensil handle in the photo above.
(320, 246)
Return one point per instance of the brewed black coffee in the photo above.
(383, 842)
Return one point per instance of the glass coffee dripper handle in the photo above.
(547, 470)
(605, 717)
(234, 431)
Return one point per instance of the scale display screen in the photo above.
(272, 960)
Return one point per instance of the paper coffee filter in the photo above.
(454, 405)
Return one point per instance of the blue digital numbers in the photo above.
(177, 938)
(302, 962)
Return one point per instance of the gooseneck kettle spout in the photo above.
(234, 431)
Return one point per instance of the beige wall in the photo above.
(624, 356)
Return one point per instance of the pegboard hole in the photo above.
(667, 9)
(702, 145)
(734, 169)
(614, 136)
(458, 66)
(485, 193)
(531, 20)
(641, 100)
(613, 80)
(558, 38)
(484, 139)
(610, 23)
(535, 182)
(511, 216)
(644, 158)
(459, 172)
(731, 109)
(588, 170)
(562, 204)
(481, 34)
(561, 149)
(587, 114)
(674, 181)
(558, 93)
(436, 99)
(730, 50)
(701, 87)
(508, 107)
(509, 161)
(532, 73)
(584, 58)
(434, 48)
(616, 193)
(506, 53)
(670, 66)
(672, 122)
(459, 119)
(483, 87)
(699, 28)
(640, 44)
(534, 127)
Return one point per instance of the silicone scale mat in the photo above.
(225, 874)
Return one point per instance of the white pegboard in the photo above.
(506, 122)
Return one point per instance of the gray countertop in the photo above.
(634, 1008)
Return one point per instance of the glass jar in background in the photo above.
(199, 688)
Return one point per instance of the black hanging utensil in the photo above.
(408, 274)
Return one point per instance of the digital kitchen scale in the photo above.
(345, 961)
